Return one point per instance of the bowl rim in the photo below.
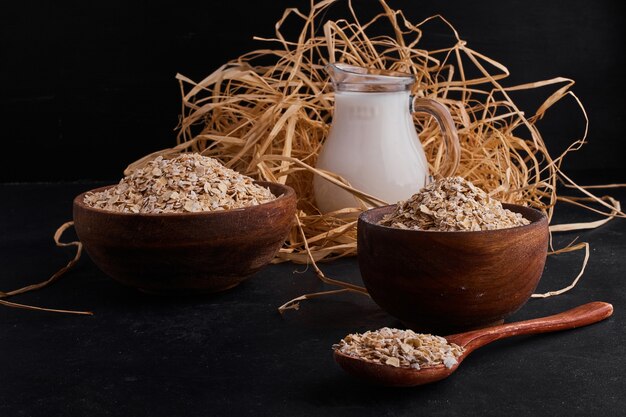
(287, 194)
(543, 219)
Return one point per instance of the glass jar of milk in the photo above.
(372, 142)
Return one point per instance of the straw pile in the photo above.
(266, 114)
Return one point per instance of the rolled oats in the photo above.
(400, 348)
(187, 183)
(452, 204)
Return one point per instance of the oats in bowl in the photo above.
(189, 183)
(186, 225)
(452, 204)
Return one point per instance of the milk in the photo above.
(372, 144)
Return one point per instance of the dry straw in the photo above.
(266, 114)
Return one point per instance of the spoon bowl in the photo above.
(390, 375)
(408, 377)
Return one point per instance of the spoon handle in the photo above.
(577, 317)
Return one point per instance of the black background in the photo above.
(87, 87)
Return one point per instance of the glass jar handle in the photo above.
(446, 124)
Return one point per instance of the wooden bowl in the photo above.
(186, 252)
(447, 282)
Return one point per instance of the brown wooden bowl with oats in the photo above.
(178, 253)
(447, 282)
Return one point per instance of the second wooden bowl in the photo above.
(446, 282)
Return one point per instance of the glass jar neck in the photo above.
(371, 88)
(346, 77)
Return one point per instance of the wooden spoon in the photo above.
(407, 377)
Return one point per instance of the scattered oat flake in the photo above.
(400, 348)
(452, 204)
(186, 183)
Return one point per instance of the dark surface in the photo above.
(232, 354)
(92, 83)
